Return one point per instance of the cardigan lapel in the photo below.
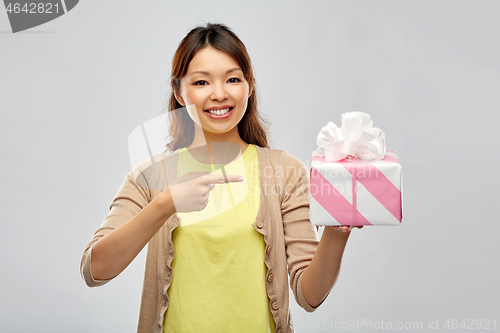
(263, 212)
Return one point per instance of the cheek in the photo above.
(188, 93)
(188, 96)
(242, 95)
(197, 96)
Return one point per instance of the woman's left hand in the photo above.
(344, 228)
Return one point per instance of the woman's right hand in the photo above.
(190, 191)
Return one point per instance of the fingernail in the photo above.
(240, 178)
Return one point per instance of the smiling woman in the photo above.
(216, 89)
(241, 242)
(214, 59)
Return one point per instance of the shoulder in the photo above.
(151, 169)
(285, 163)
(285, 158)
(279, 156)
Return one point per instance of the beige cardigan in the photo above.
(282, 219)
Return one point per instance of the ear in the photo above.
(178, 96)
(250, 92)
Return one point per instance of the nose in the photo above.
(219, 92)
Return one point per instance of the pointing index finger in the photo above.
(218, 179)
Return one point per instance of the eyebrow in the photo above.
(207, 73)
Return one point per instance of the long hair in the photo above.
(222, 38)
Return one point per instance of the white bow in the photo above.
(356, 138)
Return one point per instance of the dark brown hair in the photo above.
(222, 38)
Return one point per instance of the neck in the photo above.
(204, 138)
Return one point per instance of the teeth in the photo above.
(219, 112)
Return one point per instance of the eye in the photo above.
(234, 80)
(200, 83)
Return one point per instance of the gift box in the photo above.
(353, 179)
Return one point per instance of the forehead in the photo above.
(211, 60)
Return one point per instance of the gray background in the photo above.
(73, 89)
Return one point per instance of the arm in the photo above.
(320, 276)
(301, 237)
(313, 265)
(132, 220)
(116, 250)
(134, 217)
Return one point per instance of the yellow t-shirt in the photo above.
(218, 282)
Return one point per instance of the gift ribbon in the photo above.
(356, 138)
(352, 170)
(354, 197)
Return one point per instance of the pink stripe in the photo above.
(390, 159)
(386, 159)
(378, 185)
(354, 198)
(332, 201)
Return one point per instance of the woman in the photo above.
(238, 242)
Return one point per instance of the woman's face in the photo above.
(214, 82)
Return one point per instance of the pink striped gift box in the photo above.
(356, 192)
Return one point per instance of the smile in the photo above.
(219, 114)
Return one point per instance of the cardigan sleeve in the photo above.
(133, 195)
(301, 237)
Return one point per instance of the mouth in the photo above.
(219, 114)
